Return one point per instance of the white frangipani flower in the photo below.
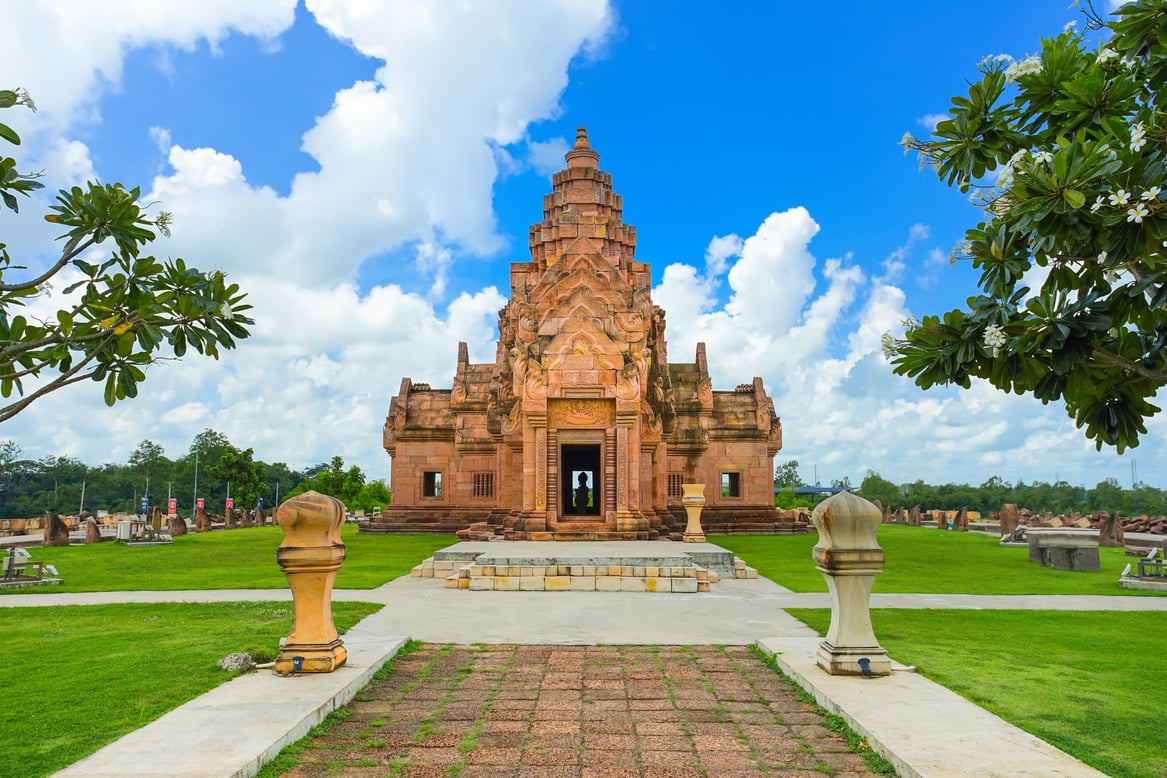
(1152, 193)
(1121, 197)
(994, 338)
(1136, 214)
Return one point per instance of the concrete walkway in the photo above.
(235, 728)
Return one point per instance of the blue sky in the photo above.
(369, 170)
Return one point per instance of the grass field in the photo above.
(931, 561)
(227, 559)
(1086, 682)
(76, 678)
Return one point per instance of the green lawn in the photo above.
(931, 561)
(226, 559)
(1089, 683)
(78, 677)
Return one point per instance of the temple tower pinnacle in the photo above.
(582, 204)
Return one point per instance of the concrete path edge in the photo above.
(263, 713)
(905, 717)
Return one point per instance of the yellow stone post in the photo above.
(310, 555)
(693, 498)
(849, 558)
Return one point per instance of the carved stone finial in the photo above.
(581, 154)
(310, 555)
(849, 558)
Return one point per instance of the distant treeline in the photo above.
(1057, 498)
(29, 487)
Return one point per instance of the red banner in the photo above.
(172, 507)
(230, 503)
(201, 504)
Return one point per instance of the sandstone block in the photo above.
(588, 570)
(481, 584)
(506, 583)
(583, 583)
(488, 569)
(630, 583)
(702, 586)
(685, 585)
(651, 572)
(627, 571)
(463, 583)
(452, 583)
(654, 584)
(639, 572)
(614, 570)
(532, 583)
(608, 583)
(557, 583)
(477, 571)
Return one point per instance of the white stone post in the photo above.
(693, 498)
(849, 558)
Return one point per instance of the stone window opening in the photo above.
(731, 484)
(675, 481)
(431, 485)
(483, 485)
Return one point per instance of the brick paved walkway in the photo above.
(581, 711)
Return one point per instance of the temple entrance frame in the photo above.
(575, 461)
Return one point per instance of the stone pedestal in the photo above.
(310, 555)
(693, 498)
(849, 558)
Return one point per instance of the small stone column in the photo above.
(849, 558)
(693, 498)
(310, 555)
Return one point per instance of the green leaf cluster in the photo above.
(123, 310)
(1066, 152)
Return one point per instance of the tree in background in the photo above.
(1066, 151)
(119, 312)
(243, 476)
(148, 461)
(875, 487)
(786, 474)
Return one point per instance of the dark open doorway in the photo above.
(580, 480)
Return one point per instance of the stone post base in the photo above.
(837, 660)
(627, 521)
(318, 657)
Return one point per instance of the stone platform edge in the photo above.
(683, 576)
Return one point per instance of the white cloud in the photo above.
(405, 166)
(931, 120)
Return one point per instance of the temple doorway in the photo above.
(580, 480)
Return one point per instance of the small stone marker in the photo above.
(693, 499)
(849, 558)
(202, 520)
(92, 531)
(56, 532)
(1008, 518)
(1110, 530)
(310, 555)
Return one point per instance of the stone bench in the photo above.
(1062, 555)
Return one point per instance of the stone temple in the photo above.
(581, 428)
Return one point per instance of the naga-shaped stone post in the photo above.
(849, 558)
(310, 555)
(693, 498)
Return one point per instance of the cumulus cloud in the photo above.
(405, 165)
